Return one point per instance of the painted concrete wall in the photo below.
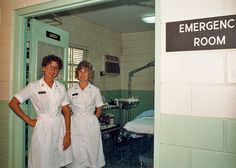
(5, 53)
(99, 41)
(138, 50)
(197, 101)
(110, 44)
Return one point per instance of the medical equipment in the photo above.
(110, 105)
(107, 119)
(131, 74)
(126, 104)
(122, 104)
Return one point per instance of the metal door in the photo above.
(43, 39)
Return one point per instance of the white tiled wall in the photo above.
(214, 101)
(185, 9)
(231, 66)
(229, 6)
(202, 82)
(176, 99)
(193, 67)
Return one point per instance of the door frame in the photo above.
(18, 59)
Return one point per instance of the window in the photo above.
(75, 56)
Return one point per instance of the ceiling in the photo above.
(120, 15)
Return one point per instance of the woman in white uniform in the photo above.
(51, 137)
(86, 104)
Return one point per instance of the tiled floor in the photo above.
(126, 153)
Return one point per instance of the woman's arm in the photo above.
(98, 111)
(15, 106)
(67, 137)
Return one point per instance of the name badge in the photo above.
(42, 92)
(74, 94)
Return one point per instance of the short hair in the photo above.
(86, 65)
(49, 58)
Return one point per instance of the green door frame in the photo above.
(16, 134)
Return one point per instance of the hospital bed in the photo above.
(142, 125)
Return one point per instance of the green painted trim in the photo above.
(16, 126)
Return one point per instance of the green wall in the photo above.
(197, 142)
(4, 133)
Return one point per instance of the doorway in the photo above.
(44, 10)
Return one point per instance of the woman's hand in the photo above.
(32, 122)
(66, 141)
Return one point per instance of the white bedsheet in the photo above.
(142, 124)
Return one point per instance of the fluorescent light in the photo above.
(148, 19)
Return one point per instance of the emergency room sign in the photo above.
(201, 34)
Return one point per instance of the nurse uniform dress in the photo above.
(85, 128)
(46, 150)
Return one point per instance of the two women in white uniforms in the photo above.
(51, 138)
(86, 104)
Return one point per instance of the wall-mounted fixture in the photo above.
(148, 19)
(112, 65)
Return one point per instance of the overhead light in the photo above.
(148, 19)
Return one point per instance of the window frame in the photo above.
(71, 81)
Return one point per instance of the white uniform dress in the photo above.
(46, 150)
(85, 128)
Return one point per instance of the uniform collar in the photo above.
(87, 87)
(43, 83)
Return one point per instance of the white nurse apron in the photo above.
(85, 128)
(46, 150)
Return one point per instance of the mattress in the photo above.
(141, 125)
